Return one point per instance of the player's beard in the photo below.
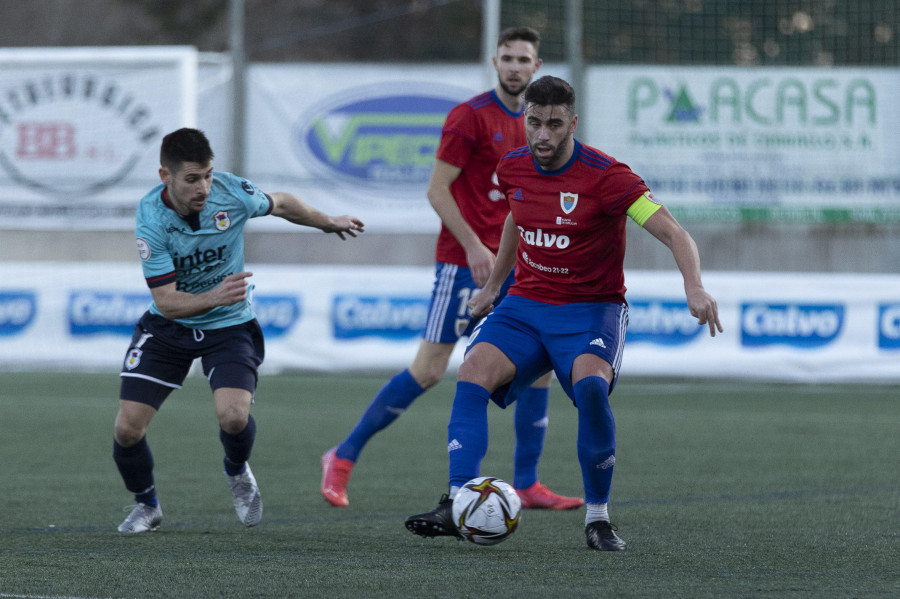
(556, 154)
(514, 92)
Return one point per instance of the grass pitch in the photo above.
(722, 489)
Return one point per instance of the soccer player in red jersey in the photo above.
(566, 311)
(464, 193)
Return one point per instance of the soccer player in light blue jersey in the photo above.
(190, 240)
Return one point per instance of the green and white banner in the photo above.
(786, 144)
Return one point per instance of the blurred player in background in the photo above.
(463, 191)
(190, 240)
(566, 311)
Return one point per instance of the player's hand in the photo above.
(481, 303)
(704, 308)
(345, 225)
(232, 289)
(481, 262)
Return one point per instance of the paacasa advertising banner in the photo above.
(786, 144)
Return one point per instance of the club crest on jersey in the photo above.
(460, 326)
(133, 359)
(223, 221)
(568, 201)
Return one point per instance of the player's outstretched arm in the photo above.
(179, 304)
(702, 305)
(292, 209)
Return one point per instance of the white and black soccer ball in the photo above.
(486, 510)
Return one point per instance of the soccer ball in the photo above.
(486, 510)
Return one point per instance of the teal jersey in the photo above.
(198, 253)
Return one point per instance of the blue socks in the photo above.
(531, 427)
(135, 464)
(596, 437)
(391, 401)
(467, 433)
(238, 447)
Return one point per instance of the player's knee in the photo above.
(127, 434)
(471, 371)
(429, 378)
(233, 422)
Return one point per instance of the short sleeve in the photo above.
(458, 136)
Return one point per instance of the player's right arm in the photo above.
(483, 301)
(174, 304)
(479, 258)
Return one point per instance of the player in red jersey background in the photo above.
(566, 311)
(464, 192)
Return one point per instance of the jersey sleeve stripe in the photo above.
(602, 165)
(161, 280)
(480, 101)
(455, 132)
(523, 151)
(629, 193)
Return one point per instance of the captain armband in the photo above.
(643, 208)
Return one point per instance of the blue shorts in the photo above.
(162, 351)
(448, 313)
(539, 337)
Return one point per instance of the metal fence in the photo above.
(719, 32)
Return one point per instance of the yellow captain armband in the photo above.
(643, 208)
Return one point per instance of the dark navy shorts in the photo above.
(162, 352)
(539, 337)
(448, 314)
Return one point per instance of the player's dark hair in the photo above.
(525, 34)
(184, 145)
(551, 91)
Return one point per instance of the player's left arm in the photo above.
(292, 209)
(662, 225)
(483, 301)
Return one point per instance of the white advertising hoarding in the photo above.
(352, 140)
(778, 326)
(808, 144)
(80, 130)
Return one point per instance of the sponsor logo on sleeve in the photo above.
(804, 326)
(661, 322)
(143, 249)
(889, 326)
(18, 310)
(387, 317)
(105, 312)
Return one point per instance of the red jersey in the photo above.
(476, 134)
(571, 225)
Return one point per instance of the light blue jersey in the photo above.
(197, 255)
